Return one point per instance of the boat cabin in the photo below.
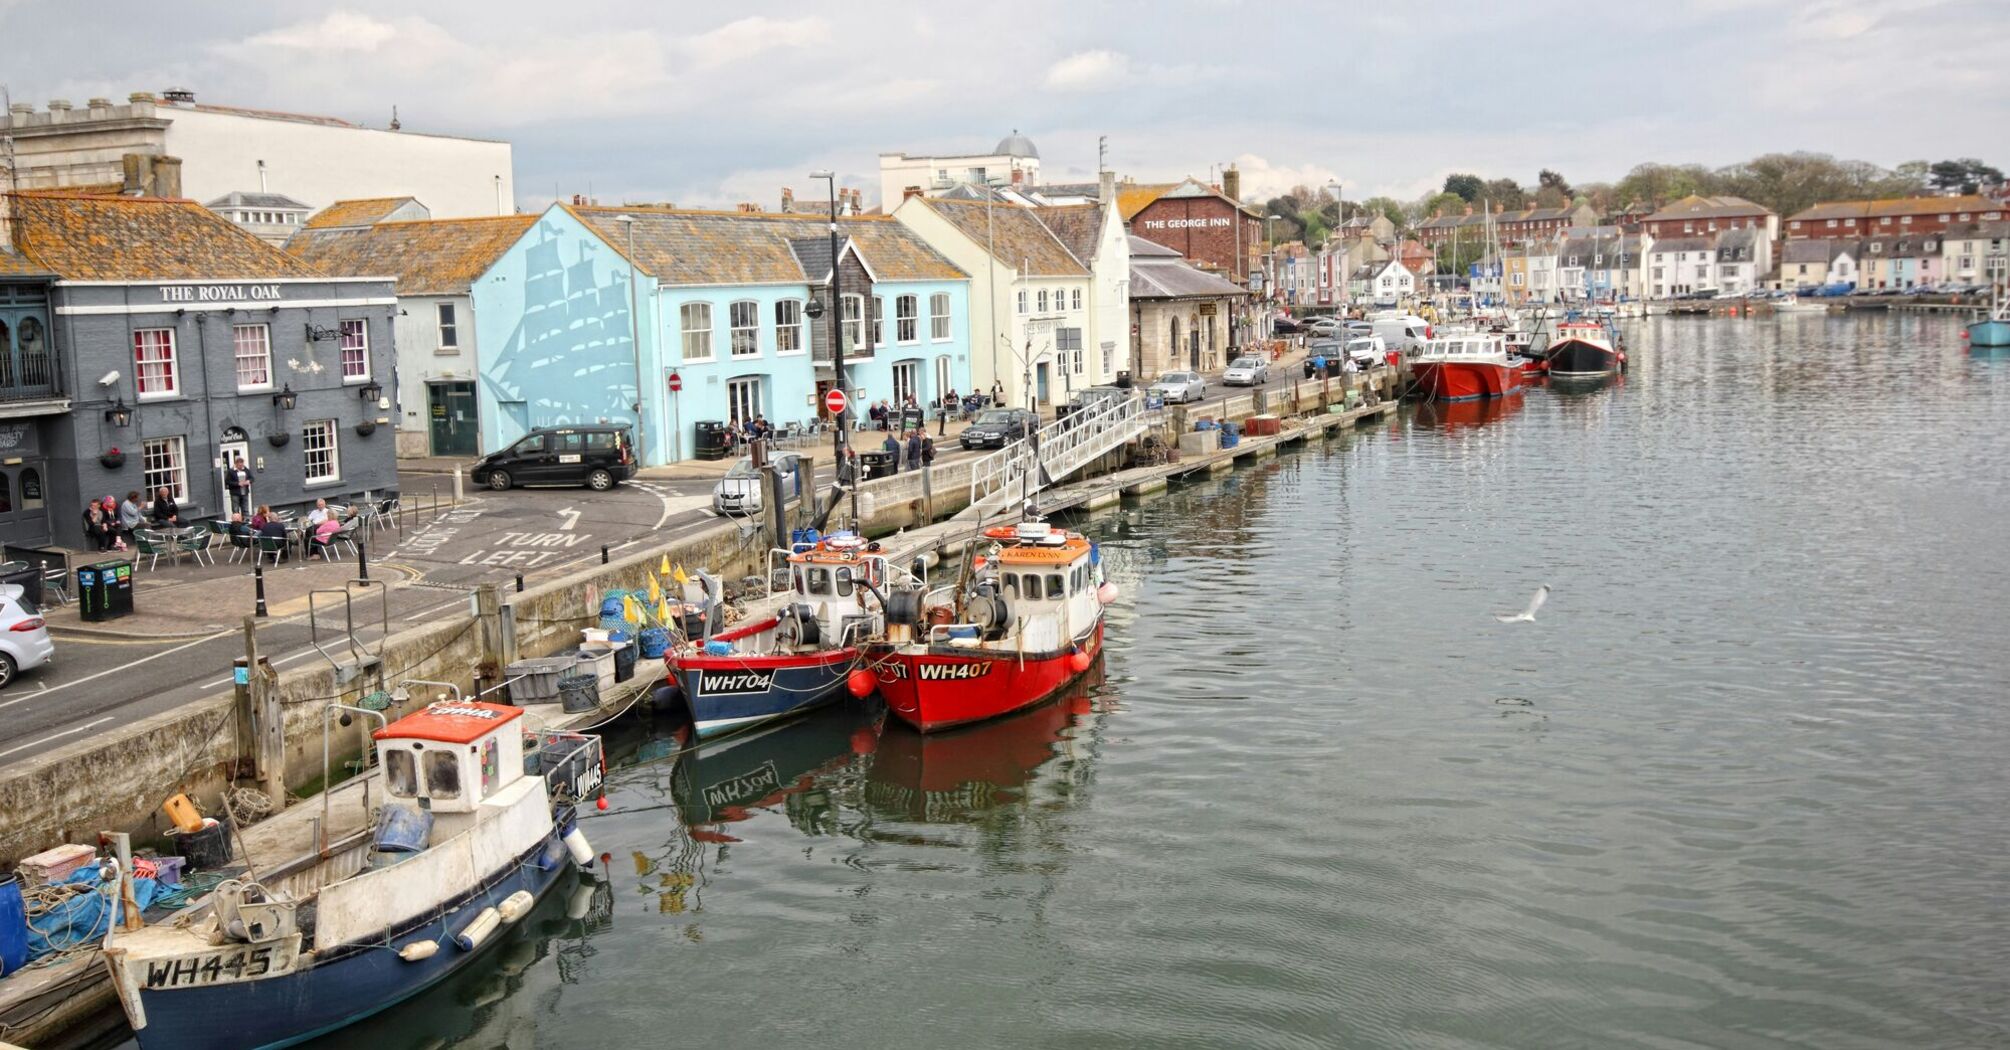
(830, 578)
(1047, 577)
(452, 756)
(1464, 346)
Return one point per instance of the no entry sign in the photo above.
(676, 382)
(834, 401)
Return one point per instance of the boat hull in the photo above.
(941, 687)
(1465, 380)
(1582, 359)
(355, 982)
(727, 692)
(1989, 333)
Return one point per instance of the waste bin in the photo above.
(104, 591)
(713, 440)
(877, 464)
(910, 418)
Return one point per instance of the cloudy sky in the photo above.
(707, 104)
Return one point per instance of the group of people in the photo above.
(885, 416)
(917, 451)
(322, 525)
(109, 523)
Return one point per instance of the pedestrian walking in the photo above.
(892, 447)
(913, 449)
(927, 451)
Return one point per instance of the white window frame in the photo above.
(449, 327)
(172, 360)
(879, 320)
(853, 312)
(907, 318)
(735, 395)
(165, 459)
(359, 328)
(938, 317)
(259, 338)
(331, 448)
(1041, 299)
(694, 330)
(789, 341)
(1022, 301)
(743, 328)
(1075, 299)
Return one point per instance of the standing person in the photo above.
(892, 447)
(927, 450)
(997, 393)
(914, 450)
(165, 512)
(240, 486)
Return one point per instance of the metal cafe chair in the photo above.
(150, 545)
(195, 543)
(272, 545)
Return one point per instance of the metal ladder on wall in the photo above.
(1066, 445)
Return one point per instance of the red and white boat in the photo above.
(1584, 350)
(1458, 365)
(1025, 620)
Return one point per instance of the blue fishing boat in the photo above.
(466, 844)
(1993, 331)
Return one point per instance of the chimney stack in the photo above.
(578, 200)
(1231, 183)
(788, 201)
(139, 174)
(749, 208)
(6, 221)
(1106, 187)
(167, 178)
(910, 193)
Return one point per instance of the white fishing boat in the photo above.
(1794, 304)
(465, 845)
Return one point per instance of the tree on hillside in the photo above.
(1444, 204)
(1601, 196)
(1967, 175)
(1552, 180)
(1505, 195)
(1653, 185)
(1388, 207)
(1468, 187)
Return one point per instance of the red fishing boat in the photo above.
(1457, 366)
(1024, 621)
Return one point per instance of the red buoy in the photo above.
(861, 682)
(602, 804)
(1080, 660)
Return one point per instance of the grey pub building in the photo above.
(144, 339)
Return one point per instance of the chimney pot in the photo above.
(788, 200)
(750, 208)
(167, 178)
(138, 173)
(909, 193)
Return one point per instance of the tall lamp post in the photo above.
(840, 441)
(635, 338)
(1346, 256)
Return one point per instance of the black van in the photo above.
(599, 457)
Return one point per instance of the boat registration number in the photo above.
(244, 962)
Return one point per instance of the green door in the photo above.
(451, 407)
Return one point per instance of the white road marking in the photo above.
(281, 660)
(571, 518)
(141, 660)
(56, 736)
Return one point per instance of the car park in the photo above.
(998, 427)
(743, 490)
(1246, 371)
(1179, 387)
(599, 457)
(24, 635)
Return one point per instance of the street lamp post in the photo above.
(840, 441)
(635, 338)
(1346, 256)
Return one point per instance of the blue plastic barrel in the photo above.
(718, 648)
(13, 926)
(401, 830)
(963, 632)
(654, 642)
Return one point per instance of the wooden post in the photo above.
(268, 720)
(494, 654)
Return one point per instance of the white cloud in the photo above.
(339, 31)
(1098, 70)
(1262, 180)
(748, 37)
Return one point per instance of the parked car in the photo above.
(1091, 397)
(1358, 327)
(24, 636)
(1330, 348)
(1246, 371)
(744, 488)
(1367, 350)
(1179, 387)
(1285, 326)
(998, 427)
(1402, 331)
(599, 457)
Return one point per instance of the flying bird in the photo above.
(1527, 615)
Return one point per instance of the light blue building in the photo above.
(592, 301)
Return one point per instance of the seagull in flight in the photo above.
(1527, 615)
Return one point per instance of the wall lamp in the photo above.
(119, 415)
(370, 391)
(286, 398)
(316, 333)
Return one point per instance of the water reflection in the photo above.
(1460, 415)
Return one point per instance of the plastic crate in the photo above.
(536, 681)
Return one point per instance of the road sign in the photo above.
(834, 402)
(676, 382)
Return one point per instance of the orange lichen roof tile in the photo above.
(1015, 235)
(14, 264)
(86, 237)
(680, 246)
(428, 256)
(360, 212)
(1134, 197)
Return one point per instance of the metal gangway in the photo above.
(1065, 446)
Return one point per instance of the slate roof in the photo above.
(1015, 234)
(1812, 250)
(1158, 272)
(1695, 207)
(685, 247)
(1995, 230)
(1895, 207)
(1681, 244)
(89, 237)
(429, 257)
(1190, 189)
(1077, 226)
(271, 201)
(360, 212)
(1740, 240)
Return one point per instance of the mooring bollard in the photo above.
(519, 583)
(362, 560)
(258, 579)
(603, 554)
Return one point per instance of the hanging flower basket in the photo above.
(113, 459)
(280, 439)
(366, 428)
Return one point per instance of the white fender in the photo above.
(515, 906)
(474, 933)
(575, 843)
(419, 951)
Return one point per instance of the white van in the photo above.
(1403, 332)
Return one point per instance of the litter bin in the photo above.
(713, 440)
(877, 464)
(104, 591)
(911, 418)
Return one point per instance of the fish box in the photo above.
(536, 681)
(1262, 426)
(54, 865)
(1198, 442)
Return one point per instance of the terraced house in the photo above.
(145, 339)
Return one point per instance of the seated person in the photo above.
(131, 515)
(240, 529)
(273, 529)
(260, 517)
(319, 514)
(323, 535)
(98, 531)
(165, 513)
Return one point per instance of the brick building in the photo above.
(1207, 225)
(1890, 218)
(1694, 216)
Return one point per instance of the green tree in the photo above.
(1505, 195)
(1444, 204)
(1966, 175)
(1389, 207)
(1553, 180)
(1468, 187)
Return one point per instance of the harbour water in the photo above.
(1740, 785)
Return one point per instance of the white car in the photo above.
(1246, 371)
(742, 489)
(1179, 387)
(24, 636)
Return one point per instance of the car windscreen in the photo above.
(743, 469)
(1245, 362)
(995, 417)
(1175, 377)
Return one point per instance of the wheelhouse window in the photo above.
(744, 337)
(164, 465)
(696, 321)
(789, 326)
(907, 318)
(443, 774)
(318, 452)
(154, 363)
(938, 316)
(401, 773)
(252, 344)
(355, 350)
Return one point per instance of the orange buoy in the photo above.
(1080, 660)
(861, 682)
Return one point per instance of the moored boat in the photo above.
(1993, 331)
(1024, 622)
(1584, 350)
(796, 658)
(1456, 366)
(465, 845)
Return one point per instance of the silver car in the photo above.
(1180, 387)
(1246, 371)
(741, 490)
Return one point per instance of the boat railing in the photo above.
(327, 767)
(572, 764)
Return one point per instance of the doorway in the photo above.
(450, 409)
(1040, 384)
(906, 382)
(24, 515)
(743, 400)
(228, 451)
